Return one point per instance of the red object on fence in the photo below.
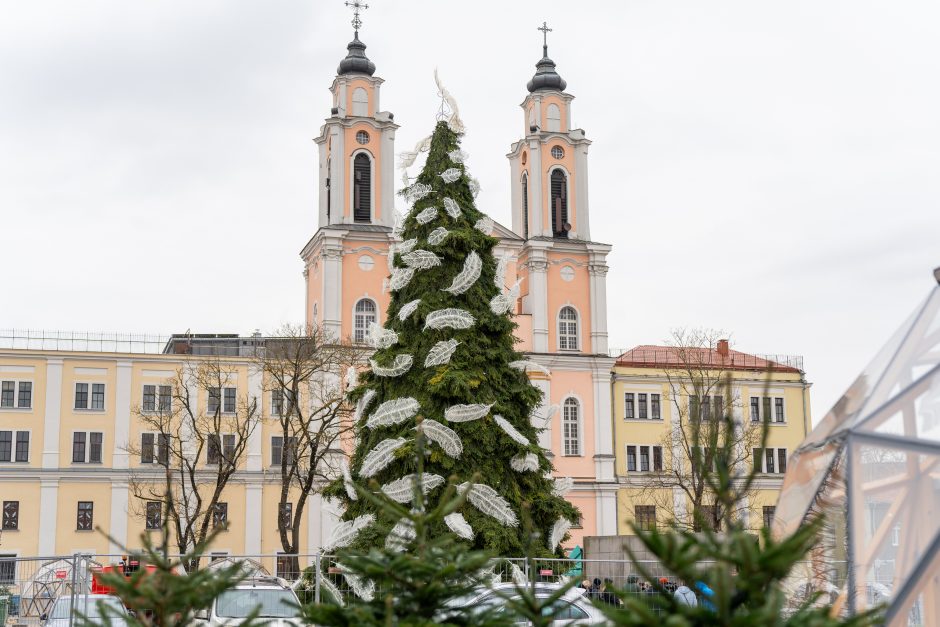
(545, 572)
(132, 566)
(61, 574)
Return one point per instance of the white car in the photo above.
(84, 605)
(276, 602)
(572, 608)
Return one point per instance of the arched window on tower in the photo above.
(553, 115)
(559, 206)
(571, 426)
(360, 102)
(362, 188)
(364, 315)
(525, 205)
(568, 329)
(329, 169)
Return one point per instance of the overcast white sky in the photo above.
(767, 168)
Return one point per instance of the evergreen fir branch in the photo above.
(489, 502)
(472, 267)
(440, 353)
(421, 259)
(450, 174)
(528, 364)
(452, 208)
(484, 225)
(511, 431)
(380, 338)
(459, 525)
(381, 456)
(527, 462)
(402, 490)
(466, 413)
(362, 404)
(393, 412)
(437, 236)
(562, 486)
(559, 529)
(443, 436)
(400, 366)
(408, 308)
(426, 215)
(400, 278)
(449, 318)
(345, 532)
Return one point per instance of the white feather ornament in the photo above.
(332, 589)
(352, 377)
(458, 156)
(501, 266)
(540, 419)
(518, 577)
(500, 304)
(393, 412)
(402, 490)
(450, 175)
(449, 318)
(406, 246)
(426, 215)
(363, 590)
(362, 404)
(345, 532)
(400, 366)
(408, 309)
(406, 159)
(472, 266)
(474, 187)
(400, 278)
(380, 337)
(562, 486)
(401, 534)
(528, 364)
(380, 457)
(416, 192)
(421, 259)
(441, 353)
(459, 525)
(453, 118)
(511, 431)
(347, 481)
(466, 413)
(443, 436)
(527, 462)
(437, 236)
(489, 502)
(452, 208)
(484, 225)
(399, 227)
(559, 529)
(390, 257)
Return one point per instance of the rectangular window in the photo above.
(628, 409)
(645, 516)
(146, 448)
(22, 446)
(220, 514)
(228, 447)
(215, 399)
(655, 412)
(658, 458)
(7, 570)
(769, 460)
(718, 407)
(291, 450)
(644, 459)
(16, 394)
(706, 408)
(228, 401)
(78, 447)
(11, 515)
(163, 449)
(769, 515)
(150, 398)
(154, 517)
(26, 395)
(710, 517)
(641, 406)
(277, 449)
(81, 396)
(755, 409)
(694, 410)
(758, 460)
(86, 516)
(778, 410)
(765, 408)
(781, 460)
(213, 449)
(6, 446)
(277, 402)
(285, 515)
(94, 447)
(7, 393)
(97, 395)
(165, 398)
(631, 459)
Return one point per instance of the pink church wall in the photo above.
(359, 283)
(575, 293)
(314, 294)
(562, 107)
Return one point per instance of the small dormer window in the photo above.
(558, 152)
(362, 137)
(360, 102)
(553, 115)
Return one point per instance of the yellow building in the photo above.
(656, 389)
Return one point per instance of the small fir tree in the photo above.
(446, 356)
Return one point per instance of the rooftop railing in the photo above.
(82, 341)
(662, 357)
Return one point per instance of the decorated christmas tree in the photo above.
(445, 360)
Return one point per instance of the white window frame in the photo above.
(639, 452)
(222, 400)
(365, 331)
(577, 328)
(91, 388)
(360, 108)
(12, 555)
(222, 436)
(156, 398)
(578, 425)
(156, 448)
(763, 459)
(29, 448)
(16, 394)
(86, 461)
(352, 182)
(772, 419)
(625, 416)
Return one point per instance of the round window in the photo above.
(558, 152)
(363, 138)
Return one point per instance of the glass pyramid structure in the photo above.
(872, 468)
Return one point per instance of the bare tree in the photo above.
(305, 374)
(195, 432)
(707, 433)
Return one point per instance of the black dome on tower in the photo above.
(356, 61)
(545, 75)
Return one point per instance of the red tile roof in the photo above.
(649, 356)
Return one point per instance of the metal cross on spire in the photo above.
(356, 7)
(545, 31)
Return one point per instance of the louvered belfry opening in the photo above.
(362, 188)
(559, 209)
(525, 206)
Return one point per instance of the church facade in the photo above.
(562, 309)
